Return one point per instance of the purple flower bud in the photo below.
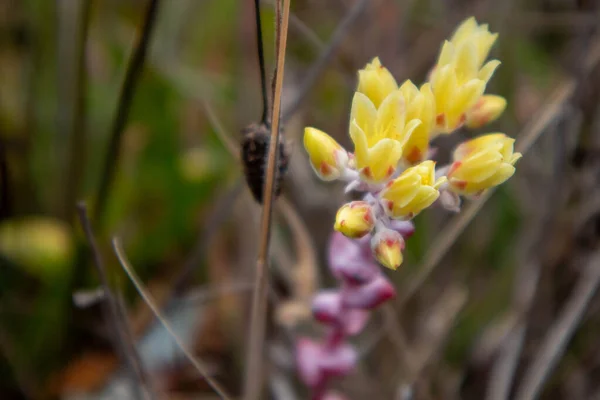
(354, 321)
(370, 295)
(339, 360)
(327, 306)
(308, 357)
(351, 260)
(334, 396)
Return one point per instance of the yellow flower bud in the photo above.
(482, 163)
(460, 75)
(327, 157)
(487, 109)
(376, 82)
(379, 135)
(355, 219)
(413, 191)
(387, 246)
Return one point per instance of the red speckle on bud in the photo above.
(390, 171)
(440, 119)
(414, 155)
(462, 119)
(325, 169)
(367, 172)
(454, 167)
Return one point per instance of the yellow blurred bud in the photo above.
(327, 157)
(482, 163)
(387, 246)
(43, 246)
(487, 109)
(460, 75)
(376, 82)
(354, 219)
(413, 191)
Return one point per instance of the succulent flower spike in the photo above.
(379, 135)
(387, 247)
(355, 219)
(482, 163)
(376, 82)
(487, 109)
(327, 158)
(460, 76)
(413, 191)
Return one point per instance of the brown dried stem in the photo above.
(254, 369)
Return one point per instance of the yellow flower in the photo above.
(387, 246)
(379, 135)
(413, 191)
(420, 104)
(376, 82)
(460, 76)
(327, 157)
(487, 109)
(355, 219)
(482, 163)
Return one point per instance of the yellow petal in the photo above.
(485, 74)
(364, 112)
(465, 29)
(361, 147)
(403, 189)
(390, 117)
(383, 160)
(444, 87)
(446, 54)
(465, 62)
(376, 82)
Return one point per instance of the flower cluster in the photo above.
(391, 127)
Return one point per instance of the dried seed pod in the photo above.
(255, 153)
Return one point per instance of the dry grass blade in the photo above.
(200, 367)
(452, 231)
(231, 145)
(562, 330)
(122, 342)
(254, 368)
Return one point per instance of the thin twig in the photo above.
(199, 365)
(111, 306)
(254, 369)
(231, 145)
(561, 331)
(261, 62)
(324, 58)
(452, 231)
(76, 163)
(132, 76)
(149, 390)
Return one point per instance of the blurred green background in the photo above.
(178, 203)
